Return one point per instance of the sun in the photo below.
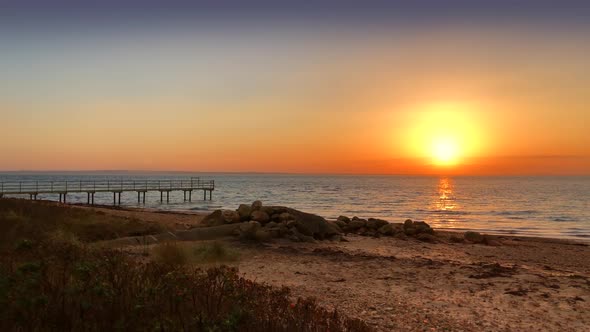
(444, 134)
(445, 151)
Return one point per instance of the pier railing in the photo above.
(56, 187)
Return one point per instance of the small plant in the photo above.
(214, 252)
(170, 253)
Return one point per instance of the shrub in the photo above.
(214, 252)
(64, 287)
(170, 253)
(23, 219)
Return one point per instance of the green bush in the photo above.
(24, 219)
(170, 253)
(66, 287)
(214, 252)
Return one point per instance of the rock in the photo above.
(302, 237)
(340, 224)
(311, 224)
(256, 205)
(408, 223)
(376, 223)
(244, 211)
(344, 219)
(335, 225)
(362, 231)
(230, 217)
(262, 235)
(456, 239)
(371, 232)
(490, 241)
(390, 229)
(271, 224)
(355, 225)
(409, 231)
(335, 238)
(214, 219)
(425, 237)
(401, 236)
(247, 230)
(285, 216)
(260, 216)
(283, 230)
(422, 227)
(474, 237)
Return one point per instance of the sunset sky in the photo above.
(387, 89)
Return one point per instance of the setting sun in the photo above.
(445, 151)
(445, 133)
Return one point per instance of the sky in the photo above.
(422, 87)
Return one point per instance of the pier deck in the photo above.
(141, 187)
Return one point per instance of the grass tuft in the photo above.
(170, 253)
(214, 252)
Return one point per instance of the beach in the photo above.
(516, 284)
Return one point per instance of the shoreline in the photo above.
(202, 213)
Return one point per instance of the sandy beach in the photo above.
(518, 284)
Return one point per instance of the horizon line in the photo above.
(298, 173)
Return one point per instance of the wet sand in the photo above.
(522, 284)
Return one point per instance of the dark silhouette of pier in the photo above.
(117, 187)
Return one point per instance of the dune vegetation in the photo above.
(52, 278)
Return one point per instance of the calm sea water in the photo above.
(530, 206)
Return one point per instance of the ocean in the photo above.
(556, 207)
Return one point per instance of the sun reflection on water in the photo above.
(446, 199)
(445, 205)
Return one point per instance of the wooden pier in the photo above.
(117, 187)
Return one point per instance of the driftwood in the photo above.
(195, 234)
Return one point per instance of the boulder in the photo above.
(408, 223)
(256, 205)
(376, 223)
(285, 216)
(215, 218)
(335, 225)
(262, 235)
(390, 229)
(422, 227)
(230, 217)
(271, 224)
(425, 237)
(306, 223)
(409, 231)
(260, 216)
(343, 219)
(247, 230)
(244, 211)
(456, 239)
(335, 238)
(340, 224)
(401, 236)
(301, 237)
(355, 225)
(474, 237)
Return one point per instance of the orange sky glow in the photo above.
(451, 101)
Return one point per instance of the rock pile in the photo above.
(263, 223)
(378, 227)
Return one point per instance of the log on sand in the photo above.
(195, 234)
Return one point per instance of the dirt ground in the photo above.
(522, 284)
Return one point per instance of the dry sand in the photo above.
(524, 284)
